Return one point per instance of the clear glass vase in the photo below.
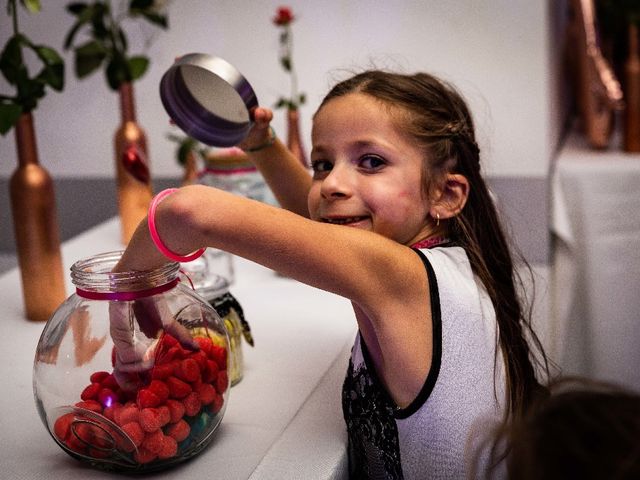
(130, 372)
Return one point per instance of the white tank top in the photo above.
(464, 389)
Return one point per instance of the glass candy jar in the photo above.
(231, 170)
(130, 372)
(215, 290)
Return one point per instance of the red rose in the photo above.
(284, 16)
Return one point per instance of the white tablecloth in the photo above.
(596, 267)
(283, 420)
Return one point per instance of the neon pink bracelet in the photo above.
(151, 221)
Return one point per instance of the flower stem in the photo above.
(294, 78)
(14, 10)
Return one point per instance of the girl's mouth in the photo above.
(344, 220)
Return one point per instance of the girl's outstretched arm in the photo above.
(385, 280)
(347, 261)
(286, 176)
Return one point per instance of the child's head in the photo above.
(455, 201)
(435, 122)
(367, 170)
(437, 119)
(582, 430)
(431, 111)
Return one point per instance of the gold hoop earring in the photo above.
(437, 219)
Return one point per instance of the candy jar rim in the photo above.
(94, 274)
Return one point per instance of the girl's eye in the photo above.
(321, 166)
(371, 162)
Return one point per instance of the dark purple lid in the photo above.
(208, 99)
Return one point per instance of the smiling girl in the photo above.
(398, 219)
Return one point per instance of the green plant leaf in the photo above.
(53, 76)
(32, 5)
(156, 19)
(48, 55)
(186, 145)
(124, 45)
(85, 14)
(88, 58)
(302, 98)
(52, 73)
(9, 114)
(175, 138)
(29, 92)
(203, 152)
(117, 72)
(68, 39)
(99, 14)
(145, 8)
(286, 63)
(140, 4)
(11, 62)
(76, 8)
(138, 66)
(109, 44)
(185, 148)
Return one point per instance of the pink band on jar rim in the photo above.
(127, 296)
(151, 221)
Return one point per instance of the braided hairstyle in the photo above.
(437, 117)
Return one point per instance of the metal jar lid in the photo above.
(208, 99)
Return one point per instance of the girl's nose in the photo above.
(337, 183)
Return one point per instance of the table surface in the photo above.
(596, 268)
(283, 420)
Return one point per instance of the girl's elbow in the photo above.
(184, 210)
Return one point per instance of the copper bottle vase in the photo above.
(132, 171)
(599, 94)
(632, 93)
(294, 140)
(35, 224)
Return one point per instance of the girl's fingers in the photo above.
(259, 132)
(261, 117)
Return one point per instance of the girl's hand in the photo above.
(259, 133)
(134, 329)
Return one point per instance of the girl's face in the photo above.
(367, 172)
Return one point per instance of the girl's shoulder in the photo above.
(452, 258)
(454, 281)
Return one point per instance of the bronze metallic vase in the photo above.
(35, 224)
(132, 168)
(599, 94)
(632, 93)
